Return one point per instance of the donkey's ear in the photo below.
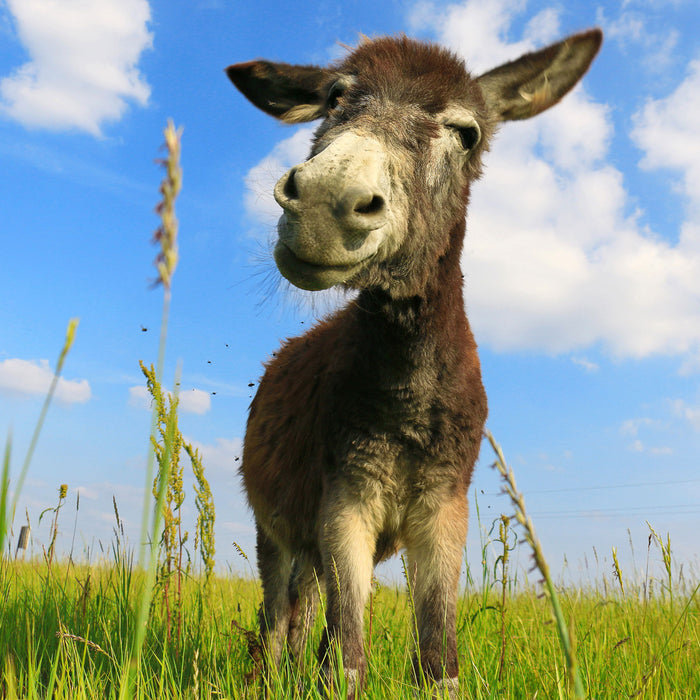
(536, 81)
(287, 92)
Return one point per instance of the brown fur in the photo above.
(364, 432)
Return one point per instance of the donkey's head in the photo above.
(383, 193)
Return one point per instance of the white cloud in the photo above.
(557, 256)
(631, 30)
(477, 29)
(195, 401)
(668, 131)
(191, 400)
(554, 263)
(139, 397)
(632, 426)
(34, 378)
(261, 178)
(83, 62)
(87, 492)
(639, 446)
(586, 364)
(689, 413)
(223, 456)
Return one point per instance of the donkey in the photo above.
(364, 431)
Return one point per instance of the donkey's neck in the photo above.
(426, 328)
(437, 303)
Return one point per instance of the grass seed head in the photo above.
(166, 233)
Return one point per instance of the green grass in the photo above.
(67, 631)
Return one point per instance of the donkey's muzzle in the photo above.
(336, 211)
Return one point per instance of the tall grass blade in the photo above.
(165, 262)
(4, 491)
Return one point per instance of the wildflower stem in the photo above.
(150, 465)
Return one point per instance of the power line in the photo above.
(577, 489)
(678, 508)
(612, 513)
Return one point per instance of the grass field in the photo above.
(67, 631)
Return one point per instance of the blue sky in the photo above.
(582, 260)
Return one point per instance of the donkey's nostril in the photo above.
(360, 208)
(374, 206)
(290, 187)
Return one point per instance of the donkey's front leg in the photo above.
(275, 566)
(436, 536)
(347, 545)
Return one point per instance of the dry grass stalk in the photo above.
(63, 635)
(617, 571)
(166, 233)
(565, 638)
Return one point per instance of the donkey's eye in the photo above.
(336, 91)
(468, 135)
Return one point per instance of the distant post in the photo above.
(23, 541)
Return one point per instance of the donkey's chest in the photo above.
(404, 434)
(400, 478)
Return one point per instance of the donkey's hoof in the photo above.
(446, 688)
(327, 687)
